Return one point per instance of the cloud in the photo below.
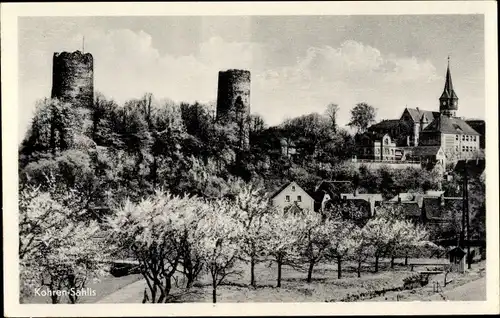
(126, 65)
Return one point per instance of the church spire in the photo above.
(448, 102)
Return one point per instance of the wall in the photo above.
(280, 199)
(233, 93)
(378, 165)
(73, 78)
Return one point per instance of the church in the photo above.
(432, 137)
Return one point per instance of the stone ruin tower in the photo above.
(233, 102)
(73, 78)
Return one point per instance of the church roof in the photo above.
(418, 114)
(448, 91)
(450, 125)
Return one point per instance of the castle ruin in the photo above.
(73, 78)
(233, 102)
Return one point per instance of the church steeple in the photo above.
(448, 102)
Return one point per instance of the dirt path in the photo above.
(132, 293)
(475, 290)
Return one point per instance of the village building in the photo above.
(427, 137)
(373, 199)
(291, 195)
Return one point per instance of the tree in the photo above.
(253, 205)
(362, 115)
(362, 247)
(282, 232)
(316, 239)
(153, 232)
(344, 218)
(331, 111)
(56, 249)
(220, 242)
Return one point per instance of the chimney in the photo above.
(441, 199)
(355, 192)
(399, 198)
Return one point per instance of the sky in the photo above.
(298, 64)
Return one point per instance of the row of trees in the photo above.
(171, 235)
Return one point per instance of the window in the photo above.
(463, 137)
(466, 148)
(287, 198)
(475, 138)
(463, 148)
(466, 138)
(456, 137)
(299, 198)
(293, 188)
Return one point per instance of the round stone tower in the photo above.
(233, 101)
(73, 78)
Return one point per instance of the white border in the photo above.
(11, 11)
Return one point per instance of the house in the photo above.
(480, 127)
(411, 209)
(374, 199)
(331, 190)
(292, 194)
(426, 155)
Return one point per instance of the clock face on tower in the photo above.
(444, 103)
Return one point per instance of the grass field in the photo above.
(325, 286)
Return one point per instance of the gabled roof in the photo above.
(418, 114)
(284, 186)
(450, 125)
(292, 208)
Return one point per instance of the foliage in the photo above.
(56, 249)
(362, 115)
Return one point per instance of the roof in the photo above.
(450, 125)
(410, 208)
(435, 211)
(334, 187)
(474, 166)
(418, 114)
(448, 91)
(284, 186)
(386, 124)
(477, 124)
(364, 196)
(292, 208)
(364, 206)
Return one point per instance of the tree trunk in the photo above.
(359, 268)
(339, 267)
(376, 263)
(310, 271)
(279, 274)
(392, 262)
(214, 292)
(252, 271)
